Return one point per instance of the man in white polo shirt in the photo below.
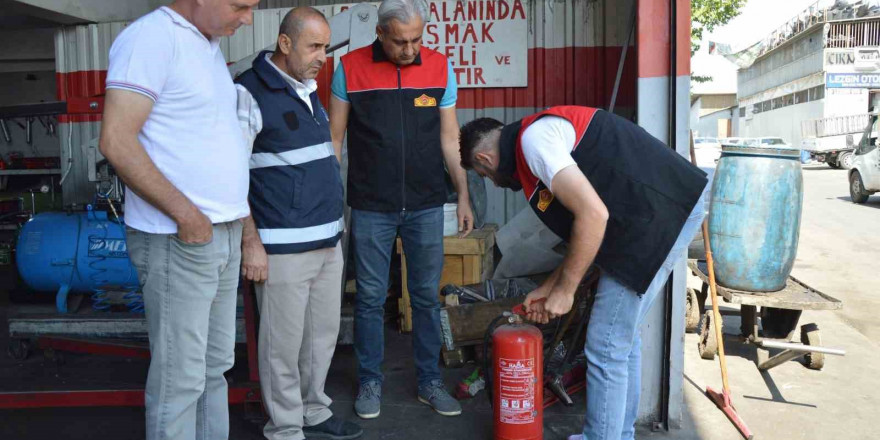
(171, 132)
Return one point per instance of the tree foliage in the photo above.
(706, 15)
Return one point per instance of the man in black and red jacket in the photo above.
(397, 99)
(623, 201)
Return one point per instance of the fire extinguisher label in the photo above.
(517, 390)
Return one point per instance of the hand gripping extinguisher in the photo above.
(515, 380)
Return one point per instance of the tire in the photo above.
(845, 160)
(857, 189)
(19, 349)
(832, 161)
(708, 344)
(692, 313)
(810, 336)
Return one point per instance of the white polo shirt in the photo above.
(192, 132)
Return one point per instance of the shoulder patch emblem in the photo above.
(425, 101)
(545, 198)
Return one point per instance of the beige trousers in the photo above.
(299, 323)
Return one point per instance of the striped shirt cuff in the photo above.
(133, 88)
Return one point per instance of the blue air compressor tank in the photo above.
(74, 252)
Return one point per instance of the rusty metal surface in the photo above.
(795, 296)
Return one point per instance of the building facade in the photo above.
(822, 71)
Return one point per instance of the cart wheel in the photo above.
(19, 349)
(693, 312)
(779, 323)
(708, 344)
(810, 336)
(702, 296)
(748, 319)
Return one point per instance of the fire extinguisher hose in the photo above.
(487, 339)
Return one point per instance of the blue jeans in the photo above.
(613, 347)
(373, 235)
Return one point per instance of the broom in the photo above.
(722, 399)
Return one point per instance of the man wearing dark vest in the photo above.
(290, 244)
(623, 201)
(396, 99)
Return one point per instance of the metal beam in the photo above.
(248, 392)
(86, 11)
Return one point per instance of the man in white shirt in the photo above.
(623, 201)
(170, 131)
(290, 246)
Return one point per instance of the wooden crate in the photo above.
(467, 260)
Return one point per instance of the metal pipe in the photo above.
(620, 65)
(800, 347)
(29, 136)
(5, 129)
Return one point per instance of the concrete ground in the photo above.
(402, 418)
(838, 249)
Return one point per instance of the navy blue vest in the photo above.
(296, 192)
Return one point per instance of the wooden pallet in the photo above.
(468, 260)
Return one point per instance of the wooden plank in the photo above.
(453, 271)
(477, 243)
(404, 325)
(405, 310)
(127, 326)
(456, 358)
(470, 270)
(487, 265)
(468, 322)
(794, 296)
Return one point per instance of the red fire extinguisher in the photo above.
(517, 389)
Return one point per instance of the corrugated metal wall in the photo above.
(81, 54)
(574, 49)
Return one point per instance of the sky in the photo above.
(758, 19)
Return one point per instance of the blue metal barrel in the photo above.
(79, 252)
(755, 217)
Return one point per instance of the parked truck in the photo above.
(833, 140)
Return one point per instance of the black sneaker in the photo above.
(333, 428)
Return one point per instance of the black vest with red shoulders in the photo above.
(648, 188)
